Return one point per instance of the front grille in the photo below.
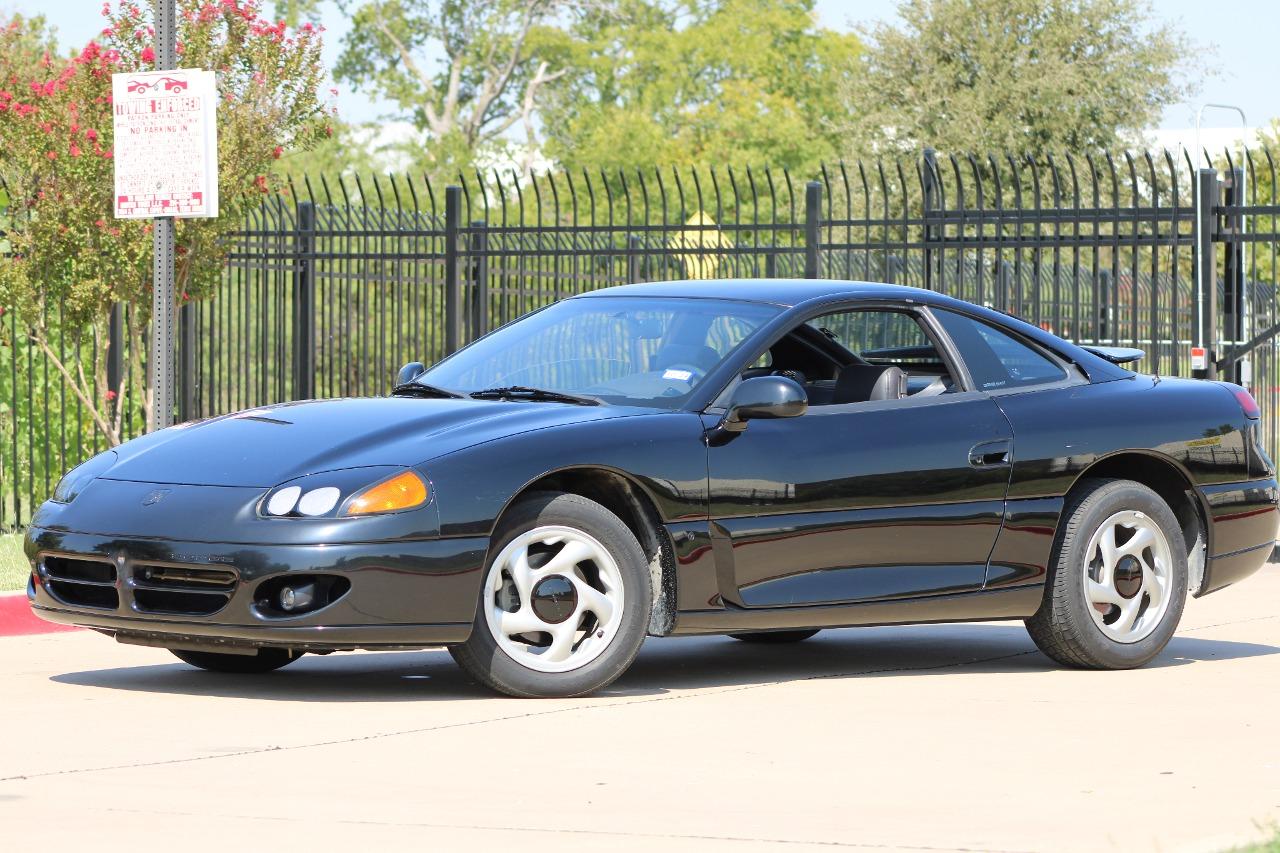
(80, 582)
(182, 590)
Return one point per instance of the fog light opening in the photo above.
(295, 596)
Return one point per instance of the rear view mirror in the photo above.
(410, 372)
(764, 397)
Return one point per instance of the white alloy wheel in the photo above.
(554, 599)
(1128, 576)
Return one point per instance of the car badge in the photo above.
(155, 497)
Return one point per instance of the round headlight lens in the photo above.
(283, 501)
(319, 501)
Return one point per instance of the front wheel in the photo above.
(265, 660)
(565, 600)
(1118, 579)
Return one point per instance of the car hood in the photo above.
(270, 445)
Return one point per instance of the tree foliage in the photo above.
(746, 82)
(605, 83)
(1012, 75)
(70, 260)
(466, 71)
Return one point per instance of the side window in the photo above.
(870, 355)
(877, 336)
(997, 360)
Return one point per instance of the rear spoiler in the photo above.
(1115, 355)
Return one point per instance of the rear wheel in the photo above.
(565, 601)
(1118, 579)
(265, 660)
(775, 637)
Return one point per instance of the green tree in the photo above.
(746, 82)
(70, 260)
(1263, 189)
(467, 72)
(1013, 75)
(345, 151)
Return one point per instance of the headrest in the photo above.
(860, 383)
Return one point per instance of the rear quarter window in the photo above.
(996, 359)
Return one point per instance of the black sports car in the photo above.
(755, 458)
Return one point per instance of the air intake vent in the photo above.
(81, 583)
(181, 590)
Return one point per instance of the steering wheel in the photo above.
(795, 376)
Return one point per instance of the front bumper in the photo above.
(403, 594)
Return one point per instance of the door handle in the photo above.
(991, 454)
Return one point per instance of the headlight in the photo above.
(347, 493)
(74, 481)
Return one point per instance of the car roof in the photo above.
(787, 292)
(794, 292)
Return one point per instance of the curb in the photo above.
(17, 620)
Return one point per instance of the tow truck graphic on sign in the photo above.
(173, 85)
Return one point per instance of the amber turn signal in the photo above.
(400, 492)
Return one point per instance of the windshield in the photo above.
(627, 350)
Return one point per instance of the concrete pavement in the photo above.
(922, 738)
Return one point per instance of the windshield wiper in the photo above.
(521, 392)
(418, 389)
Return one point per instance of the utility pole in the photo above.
(160, 372)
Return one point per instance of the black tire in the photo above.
(774, 638)
(266, 660)
(482, 658)
(1063, 628)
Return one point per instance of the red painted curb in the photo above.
(16, 618)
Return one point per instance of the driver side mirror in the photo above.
(410, 372)
(763, 397)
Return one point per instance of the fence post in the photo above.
(304, 297)
(1205, 327)
(633, 258)
(452, 283)
(929, 179)
(1004, 277)
(771, 265)
(1104, 305)
(1234, 303)
(812, 232)
(479, 279)
(187, 360)
(115, 349)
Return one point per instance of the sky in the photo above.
(1241, 35)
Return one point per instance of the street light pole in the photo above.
(160, 364)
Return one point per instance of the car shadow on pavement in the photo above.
(663, 665)
(889, 652)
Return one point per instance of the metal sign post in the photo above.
(160, 364)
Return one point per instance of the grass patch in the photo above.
(14, 568)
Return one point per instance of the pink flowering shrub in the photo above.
(69, 259)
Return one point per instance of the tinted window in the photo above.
(997, 360)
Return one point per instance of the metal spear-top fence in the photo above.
(329, 289)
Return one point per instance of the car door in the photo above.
(864, 500)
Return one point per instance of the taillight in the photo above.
(1247, 404)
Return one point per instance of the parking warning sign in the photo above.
(166, 143)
